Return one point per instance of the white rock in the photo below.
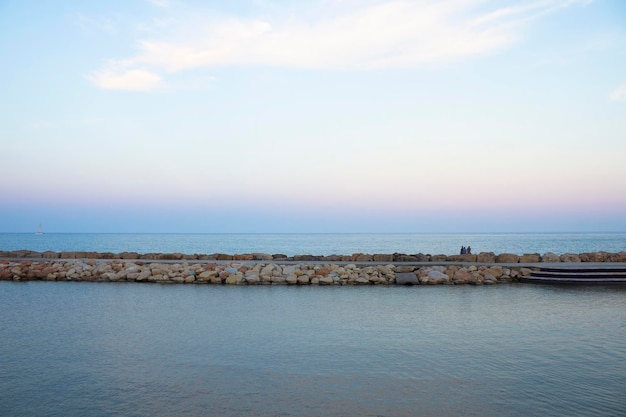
(437, 277)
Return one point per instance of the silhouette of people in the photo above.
(463, 250)
(468, 250)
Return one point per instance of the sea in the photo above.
(317, 243)
(140, 349)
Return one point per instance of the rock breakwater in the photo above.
(265, 269)
(255, 273)
(483, 257)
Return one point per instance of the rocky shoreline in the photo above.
(482, 257)
(257, 273)
(264, 269)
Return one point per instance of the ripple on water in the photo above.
(115, 349)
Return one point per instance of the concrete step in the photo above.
(609, 275)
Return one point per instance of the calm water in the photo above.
(317, 244)
(77, 349)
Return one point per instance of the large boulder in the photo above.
(143, 275)
(278, 280)
(270, 270)
(529, 258)
(303, 279)
(486, 257)
(570, 257)
(617, 257)
(494, 271)
(406, 278)
(525, 272)
(550, 257)
(207, 275)
(507, 258)
(305, 258)
(381, 257)
(171, 256)
(462, 276)
(324, 280)
(234, 279)
(252, 277)
(263, 256)
(400, 257)
(489, 279)
(594, 257)
(437, 277)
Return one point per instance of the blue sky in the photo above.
(313, 116)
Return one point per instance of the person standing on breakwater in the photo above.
(463, 250)
(468, 250)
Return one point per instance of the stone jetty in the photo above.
(256, 273)
(265, 269)
(482, 257)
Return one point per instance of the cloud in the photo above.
(394, 34)
(528, 10)
(125, 79)
(379, 35)
(619, 94)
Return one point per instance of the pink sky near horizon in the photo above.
(431, 213)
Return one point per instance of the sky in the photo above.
(283, 116)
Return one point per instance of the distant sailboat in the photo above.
(40, 230)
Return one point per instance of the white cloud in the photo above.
(397, 34)
(125, 79)
(619, 94)
(527, 10)
(383, 34)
